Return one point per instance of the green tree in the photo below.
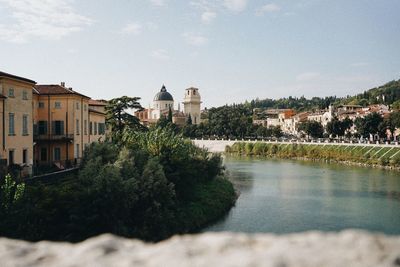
(118, 118)
(169, 115)
(312, 128)
(189, 120)
(338, 128)
(370, 124)
(10, 191)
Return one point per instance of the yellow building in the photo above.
(16, 132)
(97, 120)
(62, 120)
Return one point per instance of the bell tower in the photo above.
(192, 103)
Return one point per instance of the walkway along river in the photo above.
(286, 196)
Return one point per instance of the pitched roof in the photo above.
(11, 76)
(93, 102)
(55, 89)
(96, 111)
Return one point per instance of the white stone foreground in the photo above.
(313, 249)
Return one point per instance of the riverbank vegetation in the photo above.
(369, 155)
(150, 185)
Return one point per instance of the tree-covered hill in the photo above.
(388, 94)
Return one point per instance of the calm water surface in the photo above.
(283, 196)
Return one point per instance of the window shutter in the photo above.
(53, 127)
(62, 127)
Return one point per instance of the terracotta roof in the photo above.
(93, 102)
(11, 76)
(55, 89)
(96, 111)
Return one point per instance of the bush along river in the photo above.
(286, 196)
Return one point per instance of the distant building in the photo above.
(65, 122)
(163, 102)
(192, 103)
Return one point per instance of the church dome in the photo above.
(163, 95)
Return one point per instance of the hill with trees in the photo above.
(388, 94)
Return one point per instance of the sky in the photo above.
(232, 50)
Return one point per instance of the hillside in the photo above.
(388, 94)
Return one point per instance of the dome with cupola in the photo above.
(163, 95)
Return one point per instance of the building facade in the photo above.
(163, 102)
(192, 104)
(61, 121)
(16, 115)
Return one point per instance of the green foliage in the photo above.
(338, 128)
(10, 192)
(118, 118)
(312, 128)
(370, 124)
(146, 187)
(359, 154)
(388, 94)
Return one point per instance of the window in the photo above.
(188, 92)
(77, 105)
(57, 153)
(102, 128)
(11, 126)
(25, 125)
(57, 127)
(57, 105)
(25, 156)
(95, 128)
(43, 154)
(194, 92)
(85, 127)
(77, 151)
(11, 157)
(77, 126)
(84, 107)
(11, 92)
(91, 128)
(42, 127)
(41, 104)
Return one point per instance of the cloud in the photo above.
(208, 16)
(132, 28)
(160, 54)
(158, 2)
(307, 76)
(195, 39)
(268, 8)
(50, 19)
(235, 5)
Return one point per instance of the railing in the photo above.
(53, 137)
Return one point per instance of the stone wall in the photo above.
(312, 249)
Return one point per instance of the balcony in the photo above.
(53, 137)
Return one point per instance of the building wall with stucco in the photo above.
(192, 104)
(17, 145)
(73, 111)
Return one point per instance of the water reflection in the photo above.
(283, 196)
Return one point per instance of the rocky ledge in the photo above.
(348, 248)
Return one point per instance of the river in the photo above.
(285, 196)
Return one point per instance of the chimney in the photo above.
(63, 84)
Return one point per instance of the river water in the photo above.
(284, 196)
